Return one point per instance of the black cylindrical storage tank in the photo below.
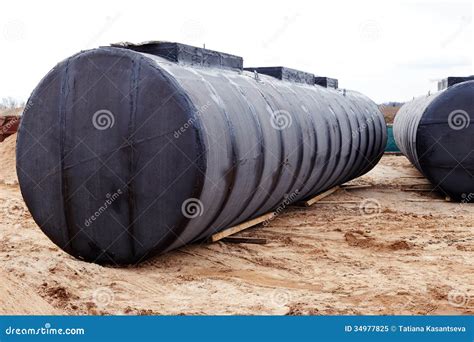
(435, 132)
(123, 154)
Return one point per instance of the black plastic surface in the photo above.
(285, 74)
(240, 145)
(436, 133)
(187, 54)
(326, 82)
(452, 80)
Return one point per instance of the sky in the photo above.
(388, 50)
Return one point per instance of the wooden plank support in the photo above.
(339, 202)
(317, 198)
(416, 185)
(243, 239)
(356, 186)
(425, 200)
(233, 230)
(419, 190)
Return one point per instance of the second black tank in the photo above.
(436, 132)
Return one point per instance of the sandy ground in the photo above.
(375, 250)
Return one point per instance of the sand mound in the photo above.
(16, 297)
(8, 161)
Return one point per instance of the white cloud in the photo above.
(389, 51)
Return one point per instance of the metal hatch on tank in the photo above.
(136, 150)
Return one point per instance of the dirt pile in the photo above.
(16, 297)
(8, 161)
